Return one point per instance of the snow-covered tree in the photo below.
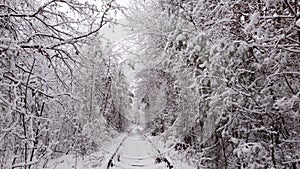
(237, 70)
(40, 46)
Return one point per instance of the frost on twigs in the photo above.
(42, 89)
(246, 67)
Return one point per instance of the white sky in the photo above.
(123, 2)
(116, 33)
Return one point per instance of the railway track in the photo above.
(160, 158)
(139, 158)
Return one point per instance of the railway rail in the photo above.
(117, 160)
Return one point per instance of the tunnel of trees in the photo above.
(220, 82)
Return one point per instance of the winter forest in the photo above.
(194, 84)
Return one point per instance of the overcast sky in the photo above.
(116, 33)
(123, 2)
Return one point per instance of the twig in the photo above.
(287, 82)
(30, 87)
(290, 8)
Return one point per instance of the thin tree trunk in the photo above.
(23, 116)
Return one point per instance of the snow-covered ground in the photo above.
(69, 162)
(91, 161)
(136, 151)
(177, 159)
(141, 151)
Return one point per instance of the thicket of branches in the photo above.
(57, 80)
(238, 69)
